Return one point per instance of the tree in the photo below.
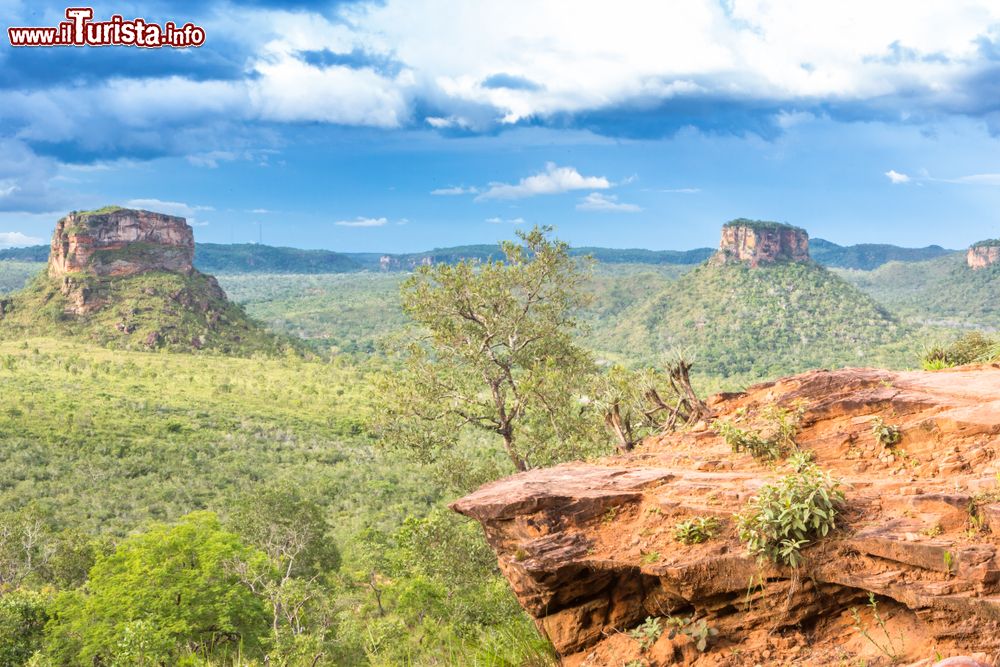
(293, 533)
(162, 594)
(635, 404)
(497, 354)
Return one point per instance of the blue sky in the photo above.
(400, 126)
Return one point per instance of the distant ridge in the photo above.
(254, 258)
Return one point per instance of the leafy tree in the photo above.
(23, 615)
(161, 593)
(498, 354)
(293, 534)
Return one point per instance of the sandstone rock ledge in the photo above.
(589, 548)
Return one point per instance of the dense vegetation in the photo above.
(107, 453)
(255, 258)
(868, 256)
(145, 311)
(283, 498)
(758, 323)
(14, 275)
(942, 292)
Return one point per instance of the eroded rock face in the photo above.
(122, 242)
(115, 243)
(757, 243)
(981, 256)
(589, 549)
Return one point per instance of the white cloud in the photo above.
(455, 190)
(896, 177)
(596, 201)
(169, 207)
(554, 180)
(363, 222)
(681, 191)
(507, 221)
(978, 179)
(10, 239)
(260, 211)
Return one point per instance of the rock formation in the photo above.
(983, 254)
(755, 242)
(116, 242)
(121, 242)
(590, 552)
(124, 277)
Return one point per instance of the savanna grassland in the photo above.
(330, 542)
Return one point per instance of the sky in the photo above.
(400, 126)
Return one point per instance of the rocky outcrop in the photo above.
(116, 242)
(755, 242)
(590, 552)
(983, 254)
(121, 242)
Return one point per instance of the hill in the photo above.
(867, 256)
(758, 322)
(942, 291)
(254, 258)
(124, 278)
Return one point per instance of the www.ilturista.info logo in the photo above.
(80, 30)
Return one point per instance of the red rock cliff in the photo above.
(121, 242)
(982, 255)
(590, 551)
(757, 243)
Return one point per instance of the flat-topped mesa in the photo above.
(115, 241)
(983, 254)
(757, 242)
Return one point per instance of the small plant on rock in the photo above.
(886, 435)
(743, 440)
(886, 647)
(696, 529)
(701, 632)
(647, 633)
(785, 516)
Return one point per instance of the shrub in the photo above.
(886, 435)
(647, 633)
(696, 530)
(970, 348)
(783, 517)
(742, 440)
(701, 632)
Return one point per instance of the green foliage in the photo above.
(647, 633)
(696, 529)
(496, 355)
(256, 258)
(869, 256)
(785, 516)
(762, 225)
(886, 435)
(762, 322)
(970, 348)
(161, 590)
(701, 632)
(14, 275)
(773, 439)
(23, 614)
(149, 310)
(885, 644)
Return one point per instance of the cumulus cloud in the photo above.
(554, 180)
(169, 207)
(14, 239)
(596, 201)
(897, 178)
(363, 222)
(455, 190)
